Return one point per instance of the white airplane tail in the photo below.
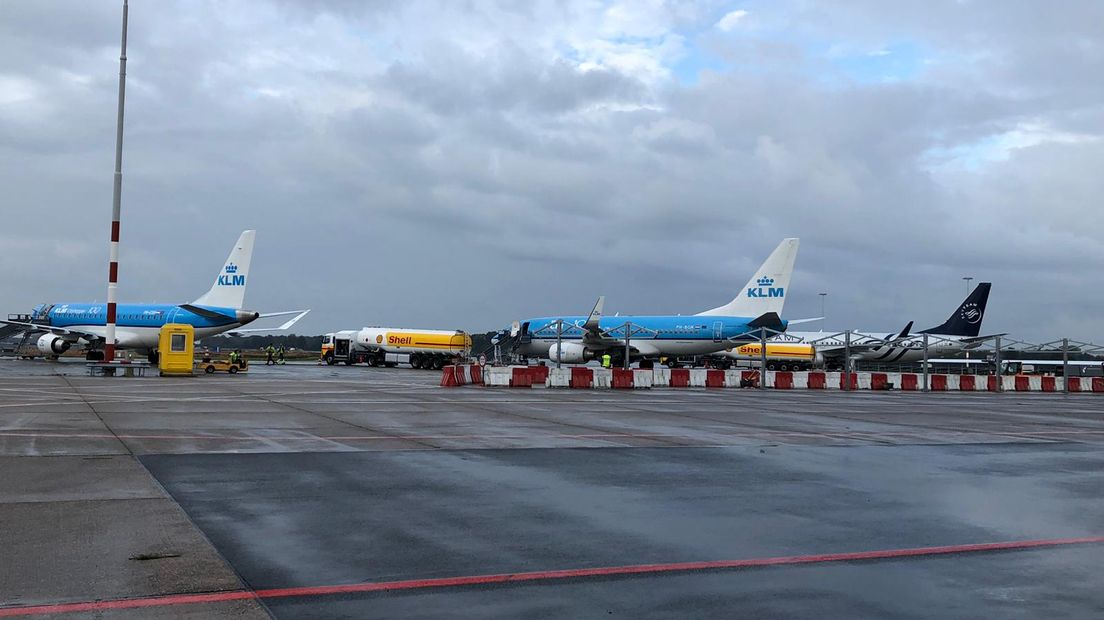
(766, 291)
(228, 291)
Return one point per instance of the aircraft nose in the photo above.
(247, 317)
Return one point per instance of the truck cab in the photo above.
(339, 347)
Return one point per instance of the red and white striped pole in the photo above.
(113, 265)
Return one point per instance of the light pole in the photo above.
(822, 296)
(967, 278)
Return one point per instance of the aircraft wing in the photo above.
(57, 331)
(597, 338)
(860, 342)
(977, 339)
(593, 335)
(982, 361)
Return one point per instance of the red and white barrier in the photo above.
(582, 377)
(679, 378)
(559, 378)
(661, 377)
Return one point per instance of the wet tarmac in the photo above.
(149, 491)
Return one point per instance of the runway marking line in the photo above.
(549, 575)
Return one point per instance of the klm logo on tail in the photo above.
(765, 289)
(230, 278)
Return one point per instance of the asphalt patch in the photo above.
(288, 520)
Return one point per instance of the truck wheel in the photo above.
(330, 361)
(415, 361)
(209, 369)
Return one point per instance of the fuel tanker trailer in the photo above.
(390, 346)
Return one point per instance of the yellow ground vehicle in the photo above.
(216, 365)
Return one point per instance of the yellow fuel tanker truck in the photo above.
(391, 346)
(780, 355)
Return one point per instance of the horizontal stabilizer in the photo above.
(769, 320)
(205, 313)
(282, 328)
(809, 320)
(980, 338)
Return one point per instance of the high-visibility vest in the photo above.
(606, 361)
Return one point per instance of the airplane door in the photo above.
(718, 331)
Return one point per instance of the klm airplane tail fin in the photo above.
(966, 320)
(766, 291)
(228, 291)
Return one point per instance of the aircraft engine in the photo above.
(52, 345)
(570, 353)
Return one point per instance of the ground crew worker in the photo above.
(271, 351)
(233, 357)
(206, 355)
(606, 359)
(280, 355)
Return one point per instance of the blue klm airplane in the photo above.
(584, 338)
(138, 326)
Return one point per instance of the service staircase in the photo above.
(506, 344)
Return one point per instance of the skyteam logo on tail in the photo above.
(231, 277)
(970, 313)
(766, 288)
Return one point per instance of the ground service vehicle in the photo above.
(780, 356)
(212, 366)
(390, 346)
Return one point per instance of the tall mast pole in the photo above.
(113, 266)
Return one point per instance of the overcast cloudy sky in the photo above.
(460, 164)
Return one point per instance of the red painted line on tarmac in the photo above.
(550, 575)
